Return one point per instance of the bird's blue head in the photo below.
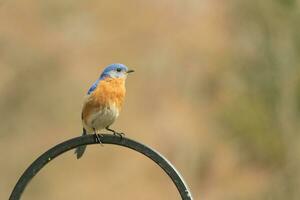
(115, 71)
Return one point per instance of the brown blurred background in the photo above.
(216, 90)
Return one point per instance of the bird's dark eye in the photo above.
(119, 69)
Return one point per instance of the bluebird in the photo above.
(103, 102)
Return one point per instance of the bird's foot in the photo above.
(97, 137)
(115, 132)
(119, 134)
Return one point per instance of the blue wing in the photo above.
(93, 87)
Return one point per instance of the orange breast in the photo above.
(108, 93)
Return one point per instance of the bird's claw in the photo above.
(119, 134)
(115, 132)
(97, 137)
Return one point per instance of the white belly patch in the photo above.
(101, 119)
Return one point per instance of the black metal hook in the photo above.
(49, 155)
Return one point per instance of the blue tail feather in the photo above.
(81, 149)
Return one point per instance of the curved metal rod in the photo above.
(52, 153)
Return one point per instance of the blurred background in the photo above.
(216, 90)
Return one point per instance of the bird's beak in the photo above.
(130, 71)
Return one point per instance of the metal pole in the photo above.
(59, 149)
